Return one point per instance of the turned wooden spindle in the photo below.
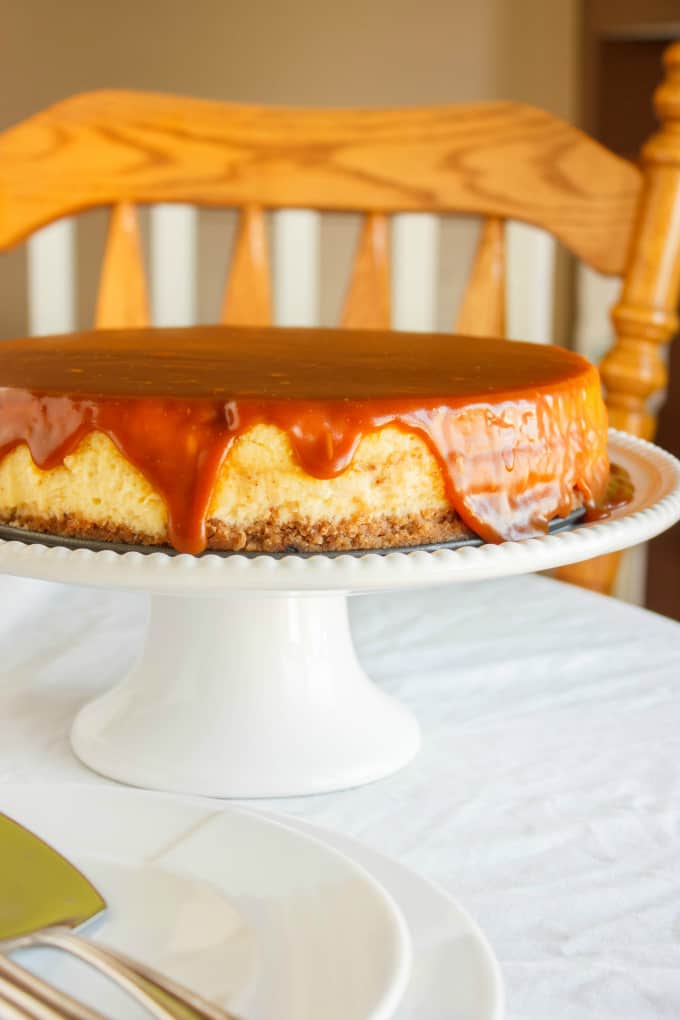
(646, 317)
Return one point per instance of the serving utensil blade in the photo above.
(38, 887)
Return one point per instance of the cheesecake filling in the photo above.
(510, 463)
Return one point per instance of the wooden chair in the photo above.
(500, 161)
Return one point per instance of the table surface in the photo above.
(547, 794)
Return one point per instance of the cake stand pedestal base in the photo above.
(246, 696)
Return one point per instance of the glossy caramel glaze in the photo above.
(517, 428)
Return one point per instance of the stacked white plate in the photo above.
(273, 920)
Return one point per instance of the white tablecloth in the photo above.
(546, 796)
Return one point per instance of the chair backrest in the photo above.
(500, 161)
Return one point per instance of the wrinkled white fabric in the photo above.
(546, 797)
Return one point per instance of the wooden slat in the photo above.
(595, 296)
(530, 283)
(297, 240)
(367, 304)
(247, 296)
(51, 279)
(631, 577)
(483, 309)
(122, 300)
(415, 257)
(488, 159)
(173, 264)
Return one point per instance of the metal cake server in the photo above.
(24, 995)
(44, 899)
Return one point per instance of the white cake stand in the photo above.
(249, 685)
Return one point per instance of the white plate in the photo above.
(455, 975)
(254, 915)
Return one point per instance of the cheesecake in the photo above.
(266, 439)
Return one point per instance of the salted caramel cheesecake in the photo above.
(311, 440)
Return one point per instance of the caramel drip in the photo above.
(516, 428)
(618, 493)
(487, 453)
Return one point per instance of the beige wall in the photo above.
(376, 52)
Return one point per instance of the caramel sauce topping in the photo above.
(516, 428)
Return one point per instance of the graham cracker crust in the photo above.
(271, 534)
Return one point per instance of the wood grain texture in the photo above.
(367, 304)
(122, 300)
(482, 311)
(497, 159)
(645, 317)
(248, 295)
